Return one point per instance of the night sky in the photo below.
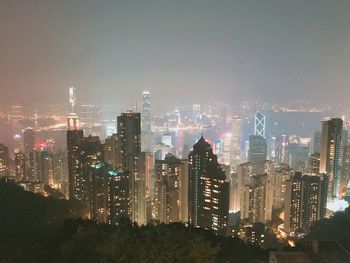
(182, 51)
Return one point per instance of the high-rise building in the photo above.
(19, 165)
(257, 149)
(330, 158)
(293, 205)
(259, 124)
(119, 197)
(208, 195)
(112, 152)
(29, 140)
(129, 143)
(257, 200)
(146, 112)
(305, 202)
(170, 189)
(74, 141)
(4, 160)
(146, 128)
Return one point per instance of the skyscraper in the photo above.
(259, 124)
(129, 143)
(146, 129)
(208, 194)
(170, 174)
(330, 158)
(257, 149)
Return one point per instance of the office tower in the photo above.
(72, 99)
(29, 140)
(259, 124)
(19, 165)
(146, 112)
(316, 142)
(330, 158)
(305, 202)
(257, 149)
(46, 166)
(119, 197)
(225, 150)
(293, 205)
(146, 167)
(236, 131)
(208, 194)
(4, 160)
(129, 143)
(170, 189)
(257, 200)
(146, 128)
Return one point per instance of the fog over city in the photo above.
(182, 51)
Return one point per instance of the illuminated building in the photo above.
(146, 128)
(257, 149)
(345, 169)
(119, 197)
(208, 196)
(170, 190)
(282, 173)
(89, 153)
(4, 160)
(293, 205)
(330, 158)
(257, 199)
(129, 143)
(314, 200)
(259, 124)
(74, 140)
(305, 202)
(19, 165)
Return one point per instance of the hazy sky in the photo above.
(182, 51)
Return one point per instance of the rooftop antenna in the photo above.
(72, 99)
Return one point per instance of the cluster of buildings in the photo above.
(235, 183)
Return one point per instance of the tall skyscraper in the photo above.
(146, 129)
(257, 149)
(146, 112)
(330, 158)
(260, 124)
(20, 165)
(129, 143)
(208, 195)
